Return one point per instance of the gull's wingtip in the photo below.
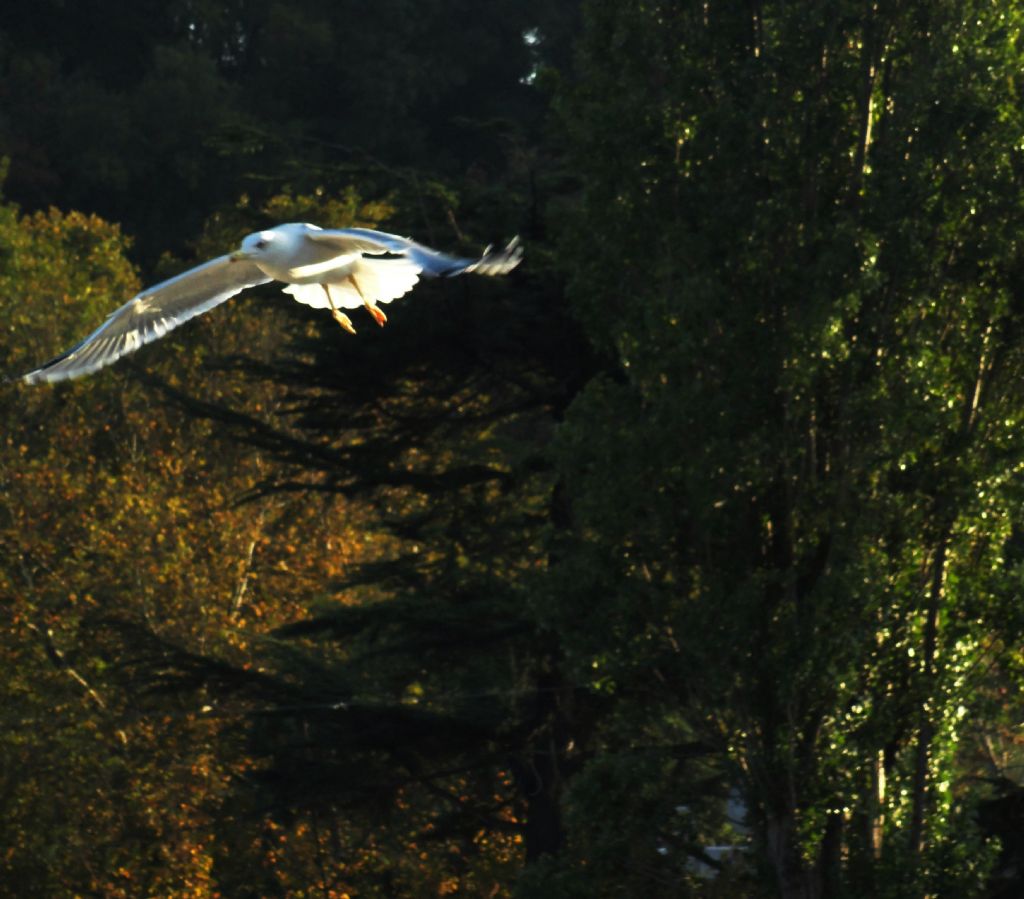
(31, 377)
(499, 262)
(48, 373)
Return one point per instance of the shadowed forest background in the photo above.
(688, 560)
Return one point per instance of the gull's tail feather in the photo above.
(384, 280)
(313, 295)
(376, 280)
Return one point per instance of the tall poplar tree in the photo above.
(795, 492)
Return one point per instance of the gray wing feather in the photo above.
(432, 262)
(150, 315)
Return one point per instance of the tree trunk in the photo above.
(876, 809)
(542, 832)
(796, 880)
(926, 730)
(540, 775)
(830, 856)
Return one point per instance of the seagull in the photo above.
(325, 268)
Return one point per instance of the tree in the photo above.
(433, 107)
(117, 507)
(408, 722)
(794, 489)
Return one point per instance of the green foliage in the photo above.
(791, 503)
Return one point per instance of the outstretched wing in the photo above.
(150, 315)
(431, 262)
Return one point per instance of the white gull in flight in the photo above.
(327, 269)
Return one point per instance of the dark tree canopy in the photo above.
(192, 104)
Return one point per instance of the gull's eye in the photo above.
(261, 244)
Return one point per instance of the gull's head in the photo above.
(256, 246)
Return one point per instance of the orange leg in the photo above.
(339, 316)
(378, 315)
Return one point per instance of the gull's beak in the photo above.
(239, 255)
